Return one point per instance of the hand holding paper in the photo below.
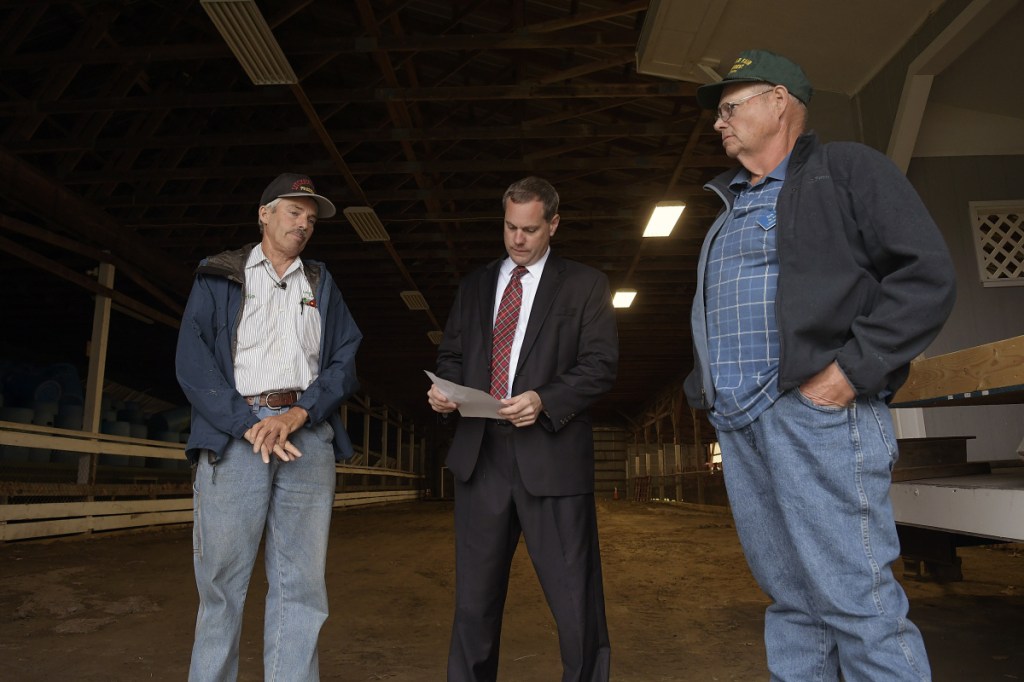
(472, 402)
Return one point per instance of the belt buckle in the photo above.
(266, 398)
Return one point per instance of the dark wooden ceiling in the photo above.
(129, 127)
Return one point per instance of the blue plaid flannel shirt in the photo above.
(740, 285)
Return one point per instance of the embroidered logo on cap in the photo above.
(740, 64)
(303, 185)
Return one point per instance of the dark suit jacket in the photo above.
(569, 357)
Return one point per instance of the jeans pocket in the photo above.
(834, 409)
(886, 431)
(325, 431)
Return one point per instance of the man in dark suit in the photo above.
(538, 332)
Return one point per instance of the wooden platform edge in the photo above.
(989, 373)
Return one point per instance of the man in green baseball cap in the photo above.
(759, 66)
(818, 283)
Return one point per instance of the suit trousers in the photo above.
(492, 510)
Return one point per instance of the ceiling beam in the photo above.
(342, 44)
(404, 114)
(676, 126)
(61, 207)
(584, 69)
(47, 237)
(625, 162)
(52, 267)
(275, 95)
(582, 19)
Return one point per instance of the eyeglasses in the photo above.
(726, 109)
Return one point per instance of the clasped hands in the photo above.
(519, 410)
(270, 435)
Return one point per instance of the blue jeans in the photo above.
(809, 490)
(237, 500)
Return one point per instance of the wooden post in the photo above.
(696, 429)
(384, 438)
(410, 447)
(420, 464)
(679, 473)
(647, 468)
(366, 439)
(339, 478)
(93, 410)
(398, 442)
(662, 474)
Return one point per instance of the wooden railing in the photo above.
(128, 496)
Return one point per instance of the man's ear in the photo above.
(780, 99)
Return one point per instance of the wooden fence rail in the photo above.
(28, 508)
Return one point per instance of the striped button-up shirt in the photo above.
(278, 345)
(742, 276)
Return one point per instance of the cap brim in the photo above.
(326, 208)
(709, 96)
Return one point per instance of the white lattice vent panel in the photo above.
(999, 241)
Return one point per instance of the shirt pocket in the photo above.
(309, 333)
(767, 219)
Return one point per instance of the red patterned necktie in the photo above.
(505, 332)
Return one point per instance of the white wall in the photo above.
(982, 314)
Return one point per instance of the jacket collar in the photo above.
(802, 150)
(227, 264)
(231, 266)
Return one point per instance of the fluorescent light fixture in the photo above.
(246, 32)
(414, 300)
(623, 298)
(368, 226)
(435, 337)
(664, 218)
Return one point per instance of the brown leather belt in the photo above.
(274, 398)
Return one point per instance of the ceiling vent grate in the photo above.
(366, 223)
(414, 300)
(246, 32)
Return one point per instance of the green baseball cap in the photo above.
(758, 66)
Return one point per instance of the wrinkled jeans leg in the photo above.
(229, 506)
(809, 487)
(298, 525)
(798, 646)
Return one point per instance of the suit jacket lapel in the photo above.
(547, 289)
(487, 292)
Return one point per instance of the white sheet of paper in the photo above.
(472, 402)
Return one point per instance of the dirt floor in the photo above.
(681, 604)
